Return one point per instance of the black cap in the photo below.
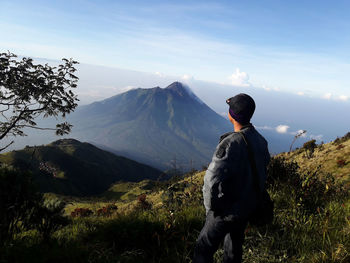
(242, 107)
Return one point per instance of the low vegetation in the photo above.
(160, 221)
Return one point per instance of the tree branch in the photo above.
(1, 149)
(12, 125)
(38, 128)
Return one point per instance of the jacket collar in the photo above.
(247, 126)
(244, 128)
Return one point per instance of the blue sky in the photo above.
(302, 47)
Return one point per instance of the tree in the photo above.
(29, 91)
(299, 134)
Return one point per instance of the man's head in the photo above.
(242, 107)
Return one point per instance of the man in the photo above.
(228, 191)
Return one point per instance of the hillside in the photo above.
(71, 167)
(331, 158)
(311, 214)
(323, 162)
(156, 126)
(159, 221)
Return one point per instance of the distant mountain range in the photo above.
(71, 167)
(163, 127)
(166, 128)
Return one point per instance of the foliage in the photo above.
(342, 139)
(340, 146)
(23, 208)
(18, 199)
(309, 147)
(107, 210)
(311, 225)
(341, 163)
(29, 91)
(81, 212)
(48, 217)
(143, 203)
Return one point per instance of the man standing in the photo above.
(229, 193)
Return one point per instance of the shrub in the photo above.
(48, 217)
(81, 212)
(143, 203)
(280, 171)
(340, 146)
(107, 210)
(309, 147)
(341, 163)
(18, 199)
(342, 139)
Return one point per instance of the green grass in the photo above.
(311, 224)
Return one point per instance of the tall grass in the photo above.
(311, 225)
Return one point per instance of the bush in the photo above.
(309, 147)
(281, 171)
(18, 200)
(81, 212)
(107, 211)
(341, 163)
(342, 139)
(48, 217)
(142, 203)
(340, 146)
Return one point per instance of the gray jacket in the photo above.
(228, 182)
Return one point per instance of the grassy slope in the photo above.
(167, 231)
(316, 238)
(77, 168)
(324, 160)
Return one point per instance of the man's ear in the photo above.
(230, 118)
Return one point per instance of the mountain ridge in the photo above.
(153, 125)
(70, 167)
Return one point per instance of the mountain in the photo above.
(165, 128)
(71, 167)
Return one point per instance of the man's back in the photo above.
(228, 183)
(229, 191)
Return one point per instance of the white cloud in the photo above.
(282, 128)
(300, 93)
(343, 97)
(187, 78)
(327, 96)
(240, 79)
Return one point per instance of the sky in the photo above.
(298, 47)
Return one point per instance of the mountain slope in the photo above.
(73, 168)
(330, 158)
(154, 126)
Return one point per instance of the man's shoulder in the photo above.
(227, 141)
(230, 137)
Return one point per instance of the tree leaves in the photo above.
(28, 91)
